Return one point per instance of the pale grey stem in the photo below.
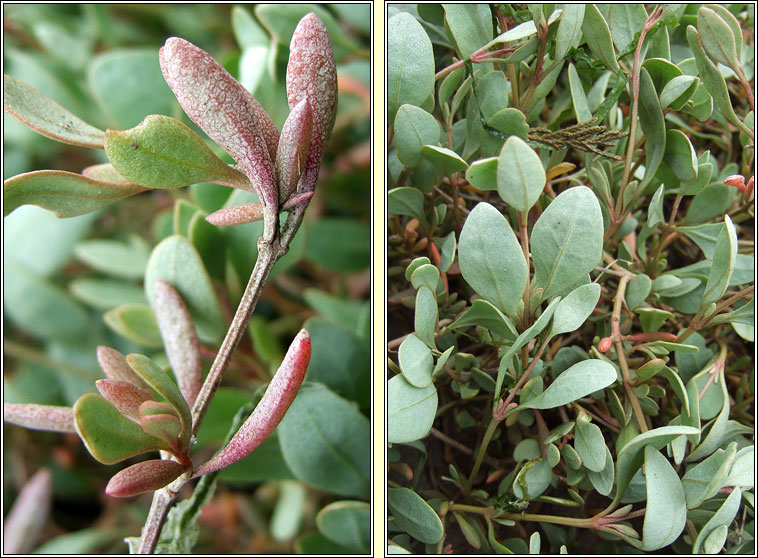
(162, 501)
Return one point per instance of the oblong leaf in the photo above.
(161, 152)
(224, 110)
(115, 367)
(724, 516)
(414, 516)
(294, 144)
(414, 128)
(567, 240)
(40, 417)
(347, 523)
(410, 71)
(280, 394)
(323, 428)
(179, 339)
(575, 308)
(630, 457)
(40, 113)
(590, 445)
(724, 257)
(312, 75)
(666, 510)
(520, 174)
(146, 476)
(66, 194)
(178, 263)
(109, 436)
(410, 410)
(416, 361)
(717, 38)
(491, 259)
(577, 381)
(136, 322)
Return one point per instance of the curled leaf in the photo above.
(160, 382)
(272, 407)
(40, 417)
(146, 476)
(312, 75)
(180, 339)
(161, 152)
(293, 148)
(66, 194)
(166, 427)
(40, 113)
(225, 111)
(125, 396)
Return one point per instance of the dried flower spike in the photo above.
(269, 412)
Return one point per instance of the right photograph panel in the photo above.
(570, 244)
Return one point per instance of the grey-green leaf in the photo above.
(410, 410)
(410, 72)
(574, 383)
(40, 113)
(590, 445)
(520, 174)
(414, 516)
(491, 259)
(414, 128)
(177, 262)
(425, 317)
(724, 257)
(567, 240)
(416, 361)
(66, 194)
(574, 309)
(666, 511)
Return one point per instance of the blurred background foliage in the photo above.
(61, 275)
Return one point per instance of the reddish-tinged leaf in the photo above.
(66, 194)
(125, 396)
(179, 339)
(272, 407)
(143, 477)
(249, 212)
(225, 110)
(294, 144)
(40, 113)
(28, 515)
(312, 75)
(114, 366)
(149, 408)
(40, 417)
(165, 427)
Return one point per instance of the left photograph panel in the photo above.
(187, 279)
